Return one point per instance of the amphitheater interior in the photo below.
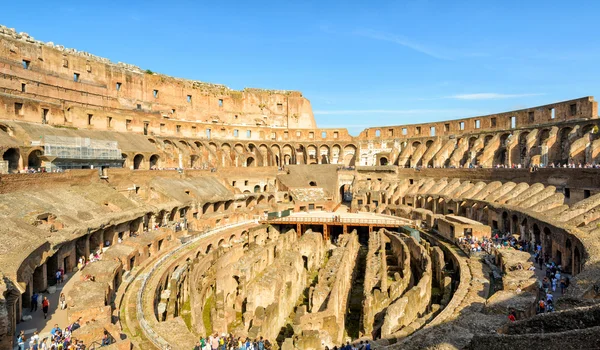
(223, 211)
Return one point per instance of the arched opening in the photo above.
(547, 241)
(536, 234)
(576, 261)
(154, 161)
(193, 161)
(124, 157)
(526, 235)
(209, 249)
(249, 161)
(514, 227)
(383, 161)
(563, 144)
(12, 156)
(505, 222)
(523, 147)
(312, 183)
(33, 160)
(137, 161)
(257, 189)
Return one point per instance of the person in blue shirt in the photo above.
(54, 330)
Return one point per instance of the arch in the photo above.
(547, 247)
(208, 249)
(537, 234)
(523, 146)
(383, 161)
(563, 144)
(7, 129)
(194, 161)
(260, 199)
(249, 162)
(137, 161)
(13, 157)
(154, 161)
(221, 242)
(324, 154)
(257, 189)
(591, 128)
(185, 144)
(576, 261)
(34, 159)
(543, 136)
(312, 183)
(349, 155)
(198, 145)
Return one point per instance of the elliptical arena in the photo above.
(197, 209)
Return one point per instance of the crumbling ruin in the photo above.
(220, 211)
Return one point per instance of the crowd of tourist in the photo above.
(57, 339)
(363, 345)
(230, 342)
(28, 170)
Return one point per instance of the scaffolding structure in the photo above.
(65, 147)
(64, 152)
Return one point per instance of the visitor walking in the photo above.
(63, 301)
(45, 306)
(34, 302)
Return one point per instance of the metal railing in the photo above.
(319, 220)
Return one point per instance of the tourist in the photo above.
(63, 301)
(34, 302)
(105, 339)
(57, 275)
(45, 306)
(512, 316)
(21, 341)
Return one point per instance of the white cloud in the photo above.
(490, 96)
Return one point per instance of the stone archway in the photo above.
(34, 159)
(13, 157)
(137, 161)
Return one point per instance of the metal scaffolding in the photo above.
(65, 147)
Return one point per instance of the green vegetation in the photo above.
(208, 305)
(148, 71)
(65, 127)
(186, 315)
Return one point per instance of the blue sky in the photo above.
(360, 63)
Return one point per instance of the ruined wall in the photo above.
(73, 84)
(387, 276)
(330, 295)
(415, 302)
(580, 108)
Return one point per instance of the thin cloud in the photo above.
(403, 41)
(385, 111)
(490, 96)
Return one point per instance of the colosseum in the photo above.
(153, 211)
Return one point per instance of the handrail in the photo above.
(340, 220)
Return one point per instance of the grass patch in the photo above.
(186, 314)
(208, 305)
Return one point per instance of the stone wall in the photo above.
(415, 302)
(330, 295)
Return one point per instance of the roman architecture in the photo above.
(220, 211)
